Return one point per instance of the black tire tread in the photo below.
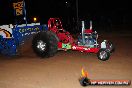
(49, 39)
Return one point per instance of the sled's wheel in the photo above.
(103, 54)
(44, 44)
(84, 81)
(110, 46)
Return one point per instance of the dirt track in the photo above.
(64, 69)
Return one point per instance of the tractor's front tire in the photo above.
(44, 44)
(103, 54)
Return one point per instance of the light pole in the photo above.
(25, 13)
(77, 15)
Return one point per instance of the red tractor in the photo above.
(87, 40)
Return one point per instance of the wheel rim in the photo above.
(41, 45)
(103, 55)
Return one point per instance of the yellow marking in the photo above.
(29, 29)
(7, 33)
(19, 7)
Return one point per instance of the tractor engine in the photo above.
(89, 40)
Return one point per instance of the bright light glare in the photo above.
(35, 19)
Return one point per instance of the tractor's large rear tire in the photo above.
(44, 44)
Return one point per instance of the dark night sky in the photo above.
(118, 12)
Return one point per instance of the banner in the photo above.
(18, 8)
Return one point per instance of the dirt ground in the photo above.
(64, 69)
